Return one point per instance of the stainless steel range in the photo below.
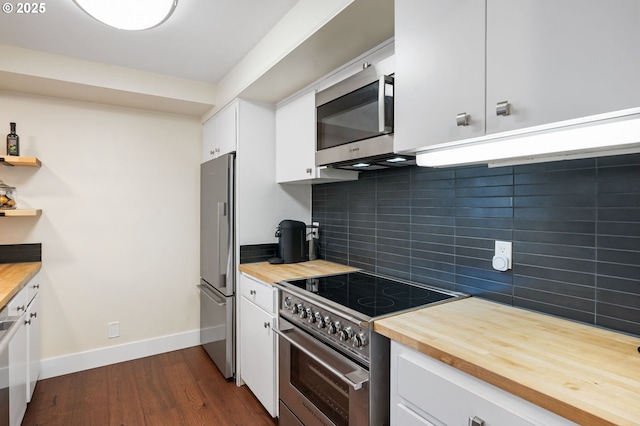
(334, 369)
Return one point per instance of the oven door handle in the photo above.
(356, 385)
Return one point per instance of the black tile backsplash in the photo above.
(18, 253)
(258, 252)
(575, 227)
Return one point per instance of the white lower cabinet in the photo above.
(24, 350)
(33, 319)
(258, 350)
(18, 374)
(425, 391)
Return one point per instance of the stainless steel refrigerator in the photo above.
(217, 263)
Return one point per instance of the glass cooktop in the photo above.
(370, 294)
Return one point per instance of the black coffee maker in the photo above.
(292, 242)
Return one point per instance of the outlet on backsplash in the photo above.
(502, 258)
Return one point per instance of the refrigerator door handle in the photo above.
(217, 300)
(222, 214)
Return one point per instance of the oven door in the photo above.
(319, 385)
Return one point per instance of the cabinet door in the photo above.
(554, 61)
(209, 140)
(18, 374)
(219, 133)
(439, 71)
(295, 139)
(226, 129)
(33, 345)
(258, 360)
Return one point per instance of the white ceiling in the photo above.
(203, 39)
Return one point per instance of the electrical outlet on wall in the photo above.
(315, 230)
(502, 258)
(113, 329)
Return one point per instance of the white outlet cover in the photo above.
(113, 329)
(503, 249)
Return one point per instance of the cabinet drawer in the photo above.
(449, 396)
(407, 417)
(18, 303)
(32, 288)
(260, 293)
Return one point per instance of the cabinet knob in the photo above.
(20, 308)
(503, 108)
(309, 170)
(252, 292)
(34, 315)
(27, 322)
(36, 286)
(476, 421)
(267, 325)
(463, 119)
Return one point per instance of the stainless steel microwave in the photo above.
(354, 121)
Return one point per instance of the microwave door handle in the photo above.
(383, 82)
(355, 385)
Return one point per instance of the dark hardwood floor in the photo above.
(176, 388)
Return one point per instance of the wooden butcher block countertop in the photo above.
(586, 374)
(273, 273)
(14, 276)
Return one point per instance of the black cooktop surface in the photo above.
(369, 294)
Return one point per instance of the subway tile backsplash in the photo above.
(575, 227)
(18, 253)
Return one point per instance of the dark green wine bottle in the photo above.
(13, 141)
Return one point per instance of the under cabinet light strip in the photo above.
(608, 137)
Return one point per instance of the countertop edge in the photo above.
(432, 348)
(14, 277)
(271, 273)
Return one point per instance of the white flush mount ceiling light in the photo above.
(129, 14)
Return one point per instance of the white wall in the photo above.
(119, 192)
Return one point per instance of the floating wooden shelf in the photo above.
(10, 160)
(20, 213)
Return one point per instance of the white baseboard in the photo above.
(81, 361)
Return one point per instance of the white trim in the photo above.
(66, 364)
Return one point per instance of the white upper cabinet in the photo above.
(549, 61)
(559, 60)
(439, 71)
(295, 144)
(220, 134)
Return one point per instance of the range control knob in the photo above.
(302, 311)
(320, 320)
(295, 309)
(359, 340)
(310, 317)
(346, 334)
(287, 302)
(332, 327)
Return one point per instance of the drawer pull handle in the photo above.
(503, 108)
(463, 119)
(476, 421)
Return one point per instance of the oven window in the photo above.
(328, 394)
